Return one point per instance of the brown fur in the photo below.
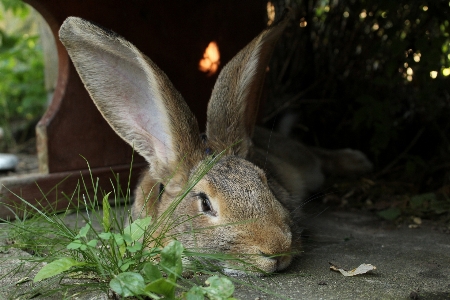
(253, 189)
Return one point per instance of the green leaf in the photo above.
(118, 238)
(74, 245)
(56, 267)
(106, 214)
(171, 260)
(419, 200)
(137, 229)
(92, 243)
(127, 238)
(163, 287)
(390, 213)
(105, 235)
(416, 202)
(83, 231)
(126, 265)
(135, 248)
(151, 272)
(122, 249)
(439, 207)
(128, 284)
(195, 293)
(219, 288)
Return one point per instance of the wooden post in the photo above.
(174, 34)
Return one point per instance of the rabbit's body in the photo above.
(247, 199)
(293, 165)
(301, 170)
(291, 172)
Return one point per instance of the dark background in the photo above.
(358, 75)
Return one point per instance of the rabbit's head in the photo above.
(235, 212)
(233, 208)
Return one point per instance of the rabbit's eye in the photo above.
(161, 190)
(206, 205)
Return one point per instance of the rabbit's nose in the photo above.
(275, 256)
(270, 256)
(276, 252)
(279, 243)
(278, 262)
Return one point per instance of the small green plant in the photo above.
(129, 260)
(124, 251)
(431, 206)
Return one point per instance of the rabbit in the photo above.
(248, 199)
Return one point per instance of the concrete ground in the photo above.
(412, 263)
(409, 262)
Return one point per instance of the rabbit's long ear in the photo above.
(233, 107)
(134, 96)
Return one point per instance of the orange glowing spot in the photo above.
(211, 59)
(270, 13)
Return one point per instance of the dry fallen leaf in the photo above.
(417, 220)
(362, 269)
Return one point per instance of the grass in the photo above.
(103, 253)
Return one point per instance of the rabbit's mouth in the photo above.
(259, 265)
(273, 264)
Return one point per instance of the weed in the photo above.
(116, 253)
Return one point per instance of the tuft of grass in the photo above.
(108, 251)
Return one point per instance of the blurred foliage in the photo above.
(18, 8)
(371, 75)
(394, 200)
(22, 90)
